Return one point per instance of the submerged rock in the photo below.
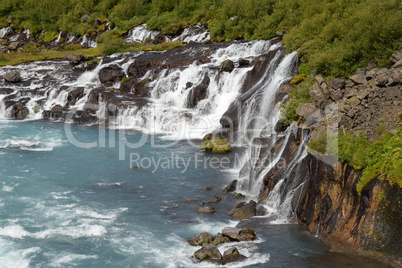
(212, 200)
(206, 210)
(231, 187)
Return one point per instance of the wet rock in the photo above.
(111, 74)
(21, 112)
(208, 252)
(12, 76)
(238, 234)
(75, 95)
(232, 255)
(281, 126)
(206, 210)
(49, 114)
(75, 58)
(198, 93)
(231, 187)
(141, 88)
(244, 62)
(246, 211)
(239, 205)
(127, 84)
(57, 107)
(207, 137)
(201, 239)
(216, 199)
(220, 239)
(227, 66)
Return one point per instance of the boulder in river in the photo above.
(12, 76)
(238, 234)
(201, 239)
(208, 252)
(227, 66)
(244, 210)
(232, 255)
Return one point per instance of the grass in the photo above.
(102, 50)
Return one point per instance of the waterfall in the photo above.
(269, 158)
(169, 110)
(140, 34)
(197, 34)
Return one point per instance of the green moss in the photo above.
(216, 145)
(125, 79)
(298, 79)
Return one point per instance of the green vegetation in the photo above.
(380, 159)
(298, 94)
(333, 37)
(216, 146)
(31, 51)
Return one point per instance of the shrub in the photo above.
(113, 46)
(298, 94)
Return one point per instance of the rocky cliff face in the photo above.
(367, 224)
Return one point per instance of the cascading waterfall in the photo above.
(169, 112)
(256, 127)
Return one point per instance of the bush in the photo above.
(117, 45)
(298, 94)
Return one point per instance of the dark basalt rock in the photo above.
(231, 187)
(245, 211)
(198, 93)
(227, 66)
(281, 126)
(110, 75)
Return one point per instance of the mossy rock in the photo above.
(216, 146)
(297, 79)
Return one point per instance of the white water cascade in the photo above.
(140, 34)
(168, 110)
(52, 83)
(266, 151)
